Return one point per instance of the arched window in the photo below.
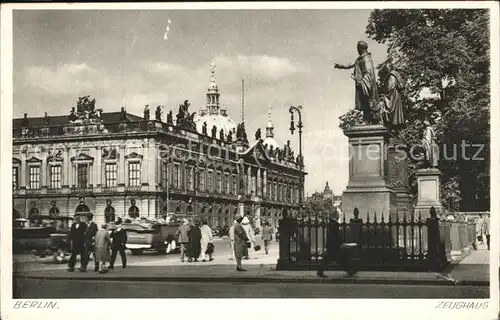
(133, 212)
(34, 212)
(109, 214)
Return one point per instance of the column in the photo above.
(73, 165)
(98, 166)
(259, 182)
(91, 175)
(153, 174)
(24, 173)
(43, 172)
(66, 172)
(145, 164)
(249, 180)
(121, 167)
(264, 187)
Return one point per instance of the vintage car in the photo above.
(42, 236)
(151, 235)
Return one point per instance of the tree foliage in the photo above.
(446, 53)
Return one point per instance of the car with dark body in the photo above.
(42, 236)
(151, 235)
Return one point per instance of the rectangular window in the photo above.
(82, 175)
(175, 176)
(201, 180)
(235, 184)
(227, 181)
(275, 195)
(110, 175)
(34, 177)
(134, 174)
(165, 175)
(210, 181)
(55, 177)
(190, 178)
(219, 182)
(15, 177)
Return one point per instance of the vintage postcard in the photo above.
(318, 160)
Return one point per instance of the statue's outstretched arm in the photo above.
(344, 66)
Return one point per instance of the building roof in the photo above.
(220, 120)
(107, 117)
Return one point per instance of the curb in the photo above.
(473, 283)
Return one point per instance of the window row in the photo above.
(82, 176)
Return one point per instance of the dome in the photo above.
(271, 142)
(219, 120)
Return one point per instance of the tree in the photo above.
(445, 52)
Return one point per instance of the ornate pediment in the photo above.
(133, 155)
(34, 160)
(109, 153)
(16, 161)
(256, 154)
(82, 157)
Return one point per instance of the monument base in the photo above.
(370, 202)
(429, 186)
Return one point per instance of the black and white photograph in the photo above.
(253, 152)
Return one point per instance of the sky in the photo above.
(286, 58)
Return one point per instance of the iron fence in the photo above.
(399, 242)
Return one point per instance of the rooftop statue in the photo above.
(185, 120)
(158, 114)
(170, 118)
(204, 128)
(123, 115)
(146, 112)
(366, 93)
(258, 134)
(214, 132)
(221, 134)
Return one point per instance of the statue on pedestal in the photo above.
(158, 113)
(258, 134)
(221, 134)
(214, 132)
(170, 119)
(366, 98)
(204, 129)
(146, 112)
(430, 146)
(123, 115)
(391, 105)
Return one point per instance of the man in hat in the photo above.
(76, 239)
(119, 237)
(366, 98)
(90, 233)
(333, 243)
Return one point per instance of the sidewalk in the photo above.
(472, 270)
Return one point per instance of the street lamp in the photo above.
(301, 158)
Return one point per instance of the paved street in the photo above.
(60, 289)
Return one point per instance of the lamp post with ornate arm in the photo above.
(299, 125)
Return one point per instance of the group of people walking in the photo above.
(87, 238)
(196, 242)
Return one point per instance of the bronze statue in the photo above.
(214, 132)
(258, 134)
(157, 113)
(204, 129)
(366, 98)
(123, 115)
(170, 119)
(146, 112)
(391, 103)
(221, 134)
(430, 146)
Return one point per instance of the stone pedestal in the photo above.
(429, 186)
(397, 158)
(368, 189)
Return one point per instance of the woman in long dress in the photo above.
(206, 238)
(102, 246)
(241, 243)
(194, 235)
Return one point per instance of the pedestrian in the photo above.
(194, 235)
(206, 241)
(247, 226)
(231, 238)
(90, 233)
(333, 243)
(182, 237)
(102, 246)
(241, 243)
(76, 239)
(479, 229)
(119, 243)
(267, 235)
(486, 229)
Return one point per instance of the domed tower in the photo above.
(213, 114)
(327, 193)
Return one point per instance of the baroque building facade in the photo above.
(119, 164)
